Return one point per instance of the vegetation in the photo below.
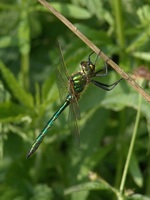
(109, 120)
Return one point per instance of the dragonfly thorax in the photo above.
(77, 83)
(87, 67)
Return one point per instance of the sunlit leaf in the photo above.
(69, 10)
(136, 172)
(88, 186)
(11, 112)
(13, 86)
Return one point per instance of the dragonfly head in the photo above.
(87, 67)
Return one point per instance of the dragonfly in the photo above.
(73, 85)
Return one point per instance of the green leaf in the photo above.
(144, 15)
(138, 197)
(43, 192)
(13, 86)
(87, 186)
(99, 37)
(137, 42)
(69, 10)
(11, 112)
(8, 41)
(49, 90)
(95, 7)
(142, 55)
(136, 172)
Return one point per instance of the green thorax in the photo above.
(78, 82)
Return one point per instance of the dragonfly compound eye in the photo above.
(87, 67)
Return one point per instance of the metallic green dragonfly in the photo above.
(74, 85)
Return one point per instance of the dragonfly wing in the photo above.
(73, 123)
(62, 76)
(63, 65)
(61, 84)
(76, 109)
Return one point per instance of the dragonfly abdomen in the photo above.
(40, 138)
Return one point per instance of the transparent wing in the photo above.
(62, 76)
(76, 109)
(62, 67)
(73, 124)
(63, 87)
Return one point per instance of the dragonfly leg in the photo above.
(89, 59)
(105, 69)
(106, 86)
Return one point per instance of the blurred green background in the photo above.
(29, 97)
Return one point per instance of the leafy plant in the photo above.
(29, 97)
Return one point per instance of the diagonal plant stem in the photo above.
(96, 49)
(131, 146)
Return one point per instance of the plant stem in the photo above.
(131, 146)
(120, 162)
(1, 144)
(117, 5)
